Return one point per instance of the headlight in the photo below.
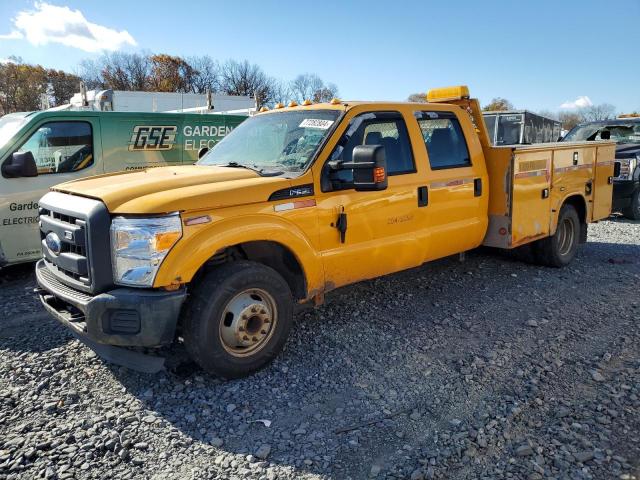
(139, 245)
(627, 167)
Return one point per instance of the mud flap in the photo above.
(124, 357)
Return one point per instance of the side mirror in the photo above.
(369, 167)
(20, 164)
(202, 152)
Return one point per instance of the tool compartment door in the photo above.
(603, 181)
(531, 203)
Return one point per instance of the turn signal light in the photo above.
(379, 175)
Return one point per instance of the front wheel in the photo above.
(559, 249)
(237, 319)
(633, 210)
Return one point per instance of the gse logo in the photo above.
(153, 137)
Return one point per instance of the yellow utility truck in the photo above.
(295, 202)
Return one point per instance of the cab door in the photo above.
(380, 228)
(64, 149)
(457, 183)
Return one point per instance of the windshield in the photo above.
(619, 133)
(9, 126)
(283, 141)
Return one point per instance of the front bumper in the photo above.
(123, 316)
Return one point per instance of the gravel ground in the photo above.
(489, 368)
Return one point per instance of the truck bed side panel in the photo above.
(572, 173)
(603, 182)
(530, 211)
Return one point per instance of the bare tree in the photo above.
(244, 78)
(304, 86)
(604, 111)
(207, 75)
(569, 119)
(326, 93)
(118, 70)
(280, 92)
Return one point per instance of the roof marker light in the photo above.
(293, 103)
(307, 102)
(334, 101)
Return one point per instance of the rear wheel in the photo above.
(559, 249)
(237, 319)
(633, 210)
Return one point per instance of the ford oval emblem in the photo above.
(53, 243)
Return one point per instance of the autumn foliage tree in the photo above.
(171, 74)
(498, 104)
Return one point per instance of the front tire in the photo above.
(559, 249)
(633, 210)
(237, 319)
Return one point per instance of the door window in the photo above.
(60, 147)
(446, 145)
(376, 128)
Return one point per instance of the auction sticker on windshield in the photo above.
(316, 123)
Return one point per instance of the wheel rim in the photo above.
(566, 236)
(248, 322)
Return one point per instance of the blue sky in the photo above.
(537, 54)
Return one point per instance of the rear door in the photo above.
(457, 184)
(64, 149)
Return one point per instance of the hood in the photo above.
(626, 150)
(179, 188)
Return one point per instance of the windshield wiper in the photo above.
(259, 171)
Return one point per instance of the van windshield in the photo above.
(619, 133)
(282, 141)
(9, 126)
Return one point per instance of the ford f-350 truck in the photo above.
(295, 202)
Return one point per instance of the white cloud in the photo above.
(53, 24)
(15, 35)
(579, 102)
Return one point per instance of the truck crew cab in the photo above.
(625, 131)
(295, 202)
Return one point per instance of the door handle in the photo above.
(423, 196)
(477, 187)
(588, 188)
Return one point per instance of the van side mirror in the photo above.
(202, 152)
(20, 164)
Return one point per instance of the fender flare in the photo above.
(199, 244)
